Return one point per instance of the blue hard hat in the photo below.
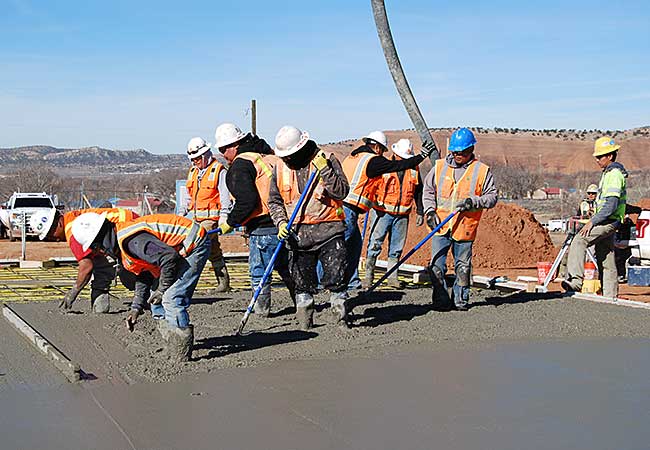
(461, 139)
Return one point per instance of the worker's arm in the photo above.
(224, 197)
(613, 185)
(334, 180)
(143, 285)
(489, 196)
(149, 248)
(240, 181)
(277, 209)
(429, 203)
(379, 165)
(417, 196)
(84, 272)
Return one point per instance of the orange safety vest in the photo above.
(394, 197)
(449, 192)
(205, 201)
(264, 166)
(318, 207)
(114, 215)
(362, 189)
(178, 232)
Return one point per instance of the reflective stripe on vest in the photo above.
(205, 200)
(319, 206)
(113, 215)
(264, 167)
(612, 184)
(394, 197)
(449, 192)
(362, 189)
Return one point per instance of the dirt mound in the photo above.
(509, 236)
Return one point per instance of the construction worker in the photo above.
(588, 204)
(390, 215)
(600, 229)
(251, 162)
(56, 226)
(173, 247)
(318, 232)
(209, 202)
(457, 183)
(364, 168)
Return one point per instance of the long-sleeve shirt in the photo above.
(335, 185)
(487, 199)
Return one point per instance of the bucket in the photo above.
(590, 271)
(543, 269)
(591, 283)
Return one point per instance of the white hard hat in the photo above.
(289, 140)
(85, 228)
(226, 134)
(41, 222)
(376, 136)
(403, 148)
(197, 147)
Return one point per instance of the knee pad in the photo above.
(463, 273)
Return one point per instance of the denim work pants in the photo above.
(462, 253)
(178, 297)
(384, 224)
(261, 248)
(353, 244)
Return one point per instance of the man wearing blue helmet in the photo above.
(457, 183)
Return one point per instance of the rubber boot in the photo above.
(100, 302)
(263, 304)
(222, 276)
(179, 343)
(393, 280)
(305, 311)
(370, 273)
(163, 328)
(339, 307)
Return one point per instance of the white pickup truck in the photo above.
(22, 205)
(640, 244)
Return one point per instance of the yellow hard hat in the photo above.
(592, 189)
(605, 145)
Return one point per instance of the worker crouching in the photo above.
(318, 231)
(173, 247)
(457, 183)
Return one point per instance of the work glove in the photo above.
(132, 318)
(156, 297)
(465, 205)
(224, 228)
(432, 219)
(283, 230)
(419, 220)
(427, 148)
(320, 160)
(69, 298)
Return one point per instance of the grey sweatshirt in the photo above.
(486, 200)
(312, 236)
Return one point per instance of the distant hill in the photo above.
(88, 159)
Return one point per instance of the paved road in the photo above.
(578, 394)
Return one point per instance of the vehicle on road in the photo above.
(20, 207)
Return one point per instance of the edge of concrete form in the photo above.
(611, 300)
(69, 369)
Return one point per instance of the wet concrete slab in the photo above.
(578, 394)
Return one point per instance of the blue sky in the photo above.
(145, 74)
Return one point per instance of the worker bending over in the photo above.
(457, 183)
(317, 234)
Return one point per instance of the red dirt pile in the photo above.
(509, 236)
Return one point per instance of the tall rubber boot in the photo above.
(339, 307)
(393, 280)
(100, 301)
(370, 273)
(305, 311)
(179, 343)
(222, 276)
(263, 303)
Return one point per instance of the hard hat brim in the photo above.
(606, 151)
(227, 142)
(368, 140)
(304, 138)
(202, 151)
(50, 222)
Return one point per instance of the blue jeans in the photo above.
(353, 244)
(178, 297)
(462, 253)
(387, 224)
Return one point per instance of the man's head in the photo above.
(592, 191)
(198, 151)
(461, 146)
(294, 147)
(376, 141)
(228, 137)
(403, 149)
(48, 225)
(605, 151)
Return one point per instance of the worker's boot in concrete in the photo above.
(305, 310)
(179, 343)
(339, 307)
(222, 276)
(163, 328)
(100, 301)
(370, 273)
(440, 295)
(393, 280)
(263, 303)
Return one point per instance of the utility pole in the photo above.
(254, 116)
